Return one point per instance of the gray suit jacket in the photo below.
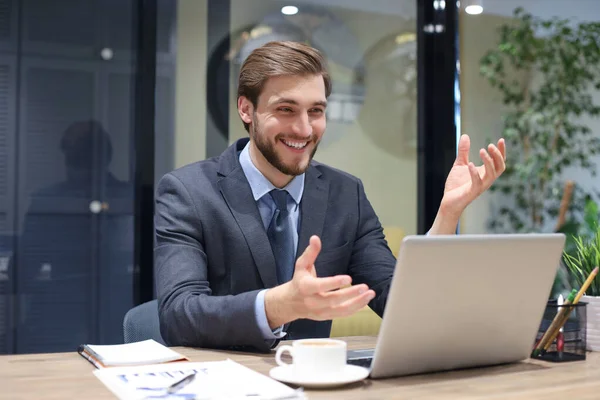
(212, 254)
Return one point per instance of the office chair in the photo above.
(141, 323)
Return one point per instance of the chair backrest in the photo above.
(141, 323)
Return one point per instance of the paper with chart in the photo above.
(214, 380)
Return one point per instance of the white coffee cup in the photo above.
(314, 357)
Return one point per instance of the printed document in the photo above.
(213, 380)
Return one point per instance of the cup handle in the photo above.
(280, 352)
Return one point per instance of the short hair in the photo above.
(279, 58)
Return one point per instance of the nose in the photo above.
(302, 126)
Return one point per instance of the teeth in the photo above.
(296, 145)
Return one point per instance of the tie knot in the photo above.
(280, 198)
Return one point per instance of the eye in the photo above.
(317, 111)
(285, 109)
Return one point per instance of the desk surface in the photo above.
(50, 376)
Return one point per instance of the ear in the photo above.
(245, 109)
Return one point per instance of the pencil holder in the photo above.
(569, 343)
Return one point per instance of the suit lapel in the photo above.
(237, 193)
(312, 208)
(312, 217)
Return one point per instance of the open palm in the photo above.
(465, 181)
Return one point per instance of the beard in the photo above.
(270, 154)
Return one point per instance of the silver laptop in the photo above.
(462, 301)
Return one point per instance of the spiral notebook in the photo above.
(130, 354)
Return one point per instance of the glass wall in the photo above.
(67, 156)
(66, 177)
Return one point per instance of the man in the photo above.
(262, 242)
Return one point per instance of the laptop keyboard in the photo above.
(361, 362)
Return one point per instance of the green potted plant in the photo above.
(578, 229)
(545, 71)
(580, 261)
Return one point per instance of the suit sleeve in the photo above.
(188, 312)
(372, 261)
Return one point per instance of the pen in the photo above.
(186, 380)
(560, 339)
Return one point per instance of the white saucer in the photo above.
(350, 374)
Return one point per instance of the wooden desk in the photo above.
(50, 376)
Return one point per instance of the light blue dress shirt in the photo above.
(261, 187)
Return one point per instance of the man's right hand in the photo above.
(310, 297)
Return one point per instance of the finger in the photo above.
(307, 259)
(490, 170)
(475, 178)
(351, 306)
(498, 158)
(321, 285)
(502, 148)
(464, 144)
(335, 298)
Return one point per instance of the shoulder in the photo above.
(193, 174)
(210, 170)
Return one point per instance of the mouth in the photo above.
(295, 144)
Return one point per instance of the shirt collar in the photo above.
(261, 185)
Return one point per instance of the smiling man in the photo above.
(262, 242)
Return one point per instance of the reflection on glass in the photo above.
(87, 152)
(59, 245)
(391, 64)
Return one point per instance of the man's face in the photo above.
(288, 121)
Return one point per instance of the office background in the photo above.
(100, 98)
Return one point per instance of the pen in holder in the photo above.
(566, 339)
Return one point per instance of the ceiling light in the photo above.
(289, 10)
(473, 7)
